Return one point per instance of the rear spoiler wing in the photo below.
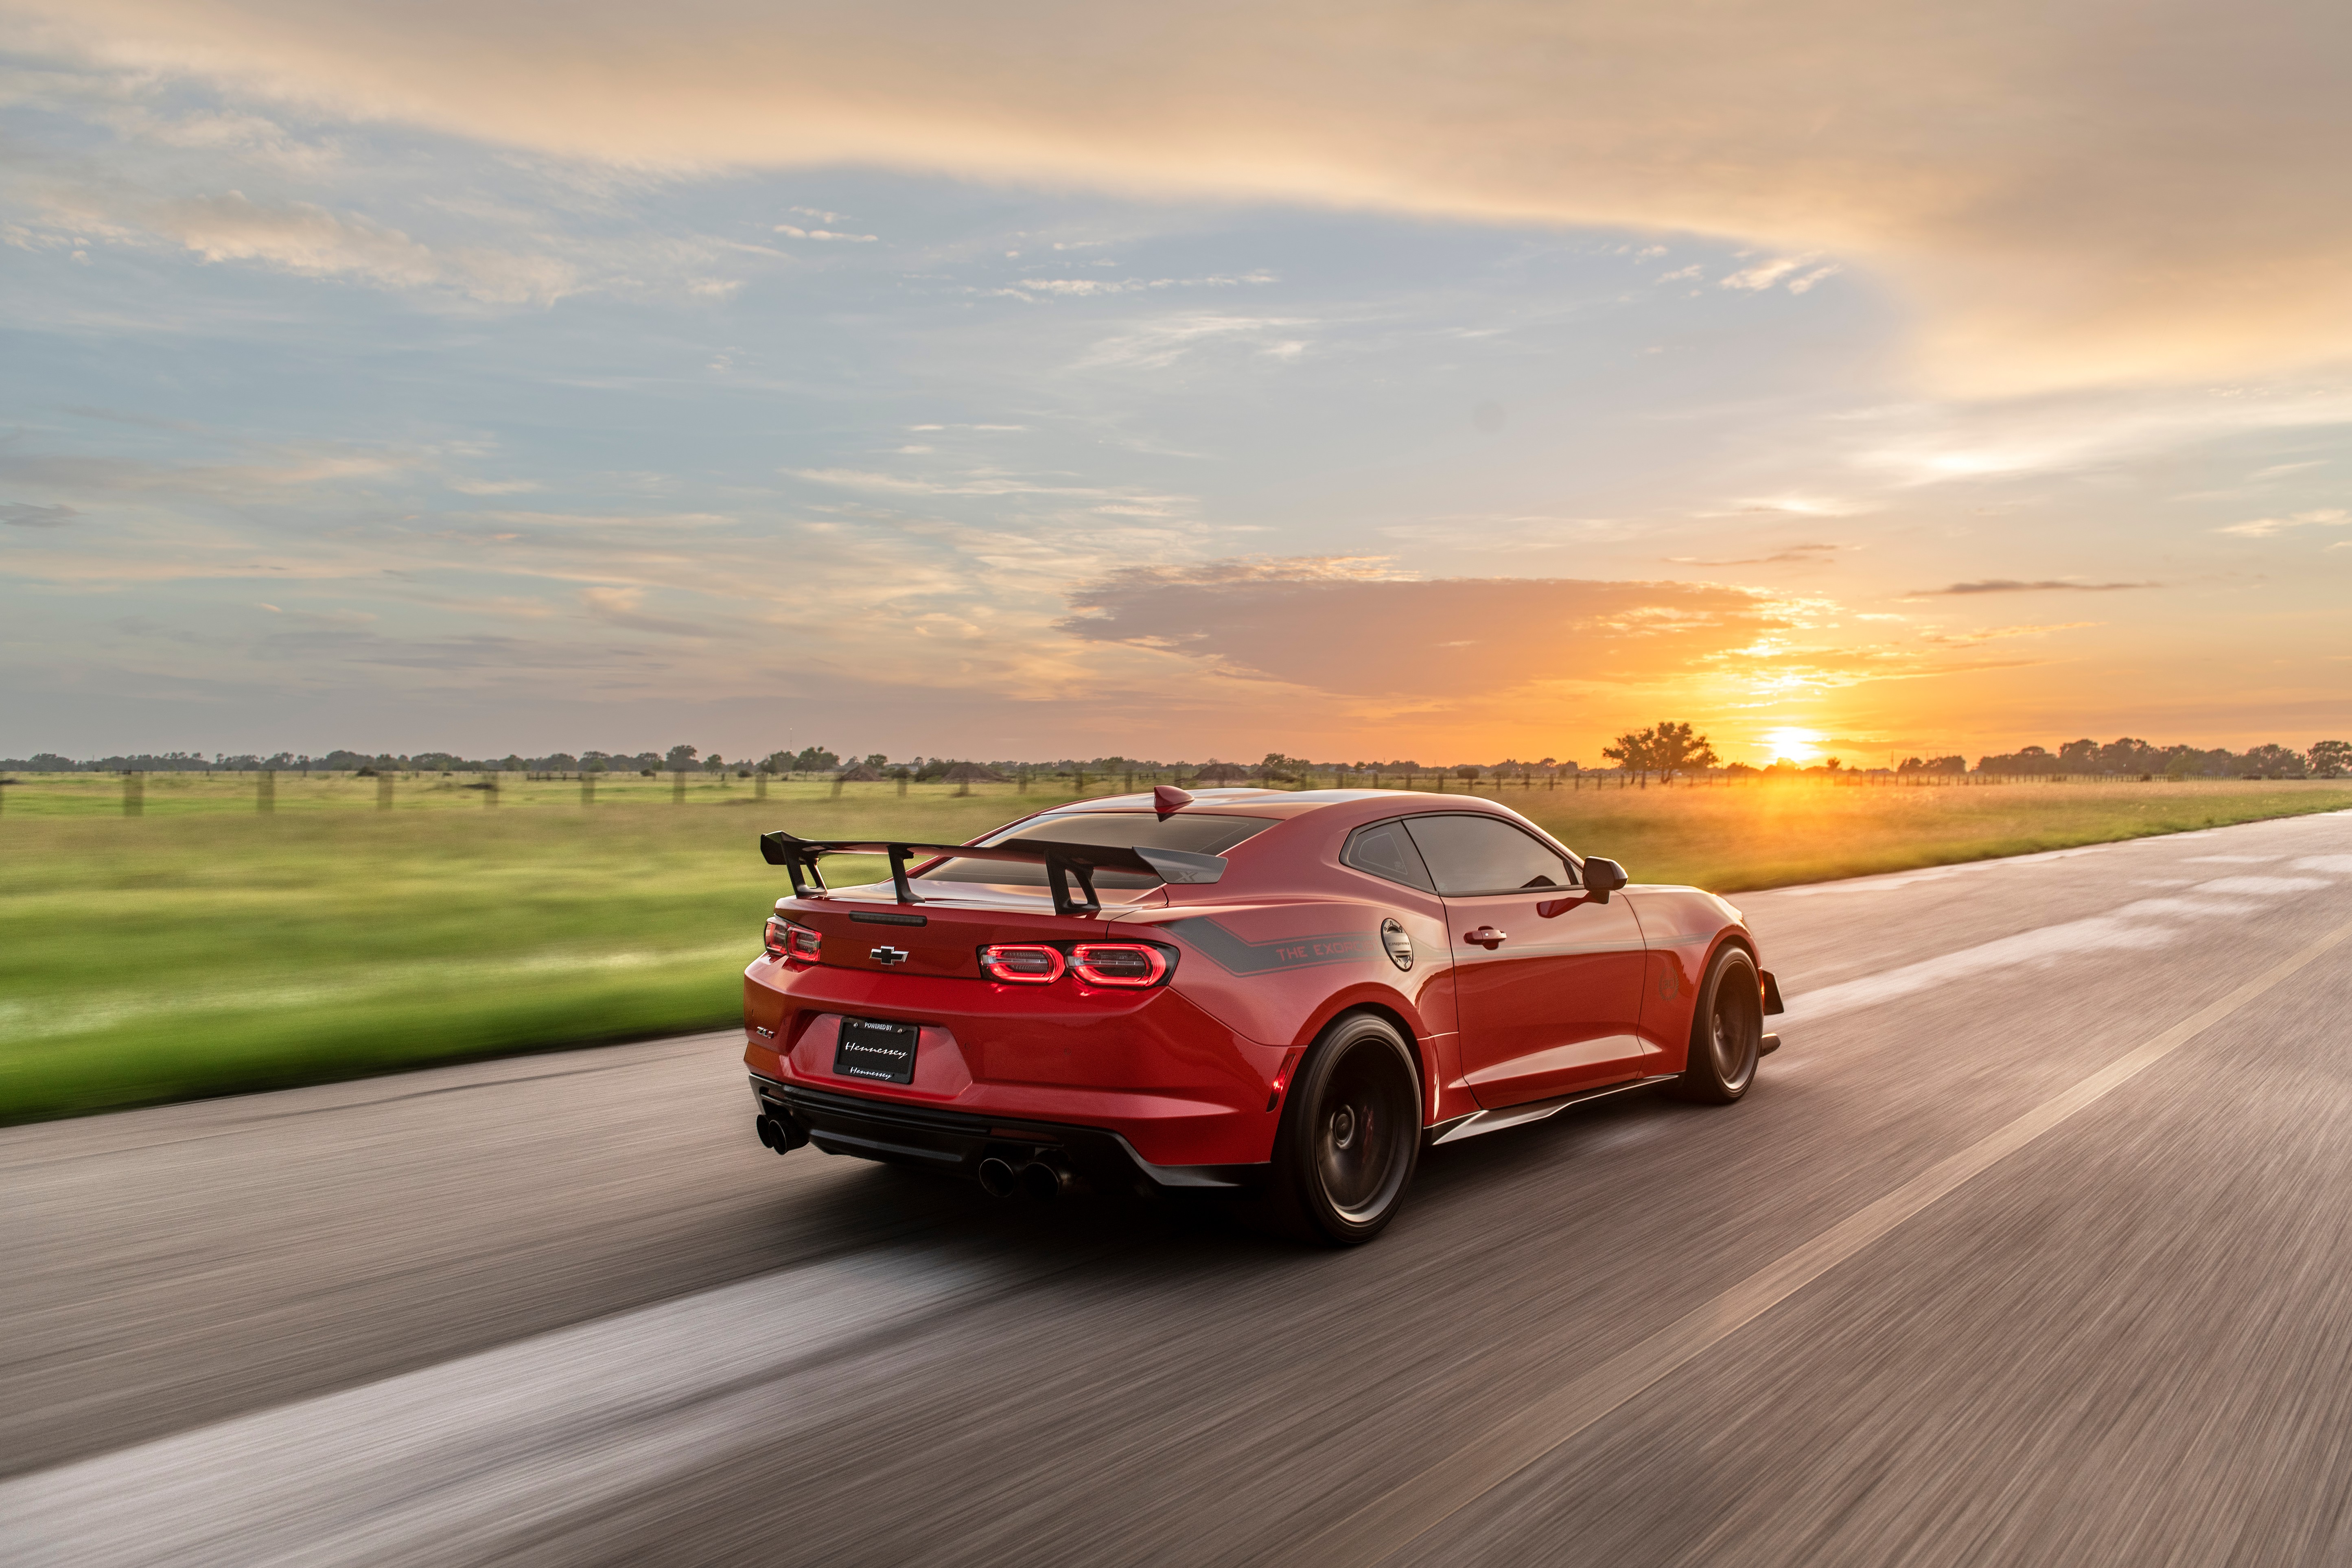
(1063, 863)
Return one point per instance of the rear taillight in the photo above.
(787, 940)
(1022, 964)
(1132, 963)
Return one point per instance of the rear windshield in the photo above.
(1201, 835)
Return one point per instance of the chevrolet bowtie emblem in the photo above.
(886, 955)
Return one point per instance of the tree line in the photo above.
(1666, 751)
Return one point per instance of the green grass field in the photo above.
(205, 947)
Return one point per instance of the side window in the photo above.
(1469, 854)
(1385, 850)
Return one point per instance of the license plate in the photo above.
(871, 1048)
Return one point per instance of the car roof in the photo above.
(1370, 804)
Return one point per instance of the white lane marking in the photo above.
(2262, 885)
(2230, 859)
(2136, 925)
(1887, 880)
(2339, 863)
(446, 1463)
(1385, 1526)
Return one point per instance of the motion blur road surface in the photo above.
(2032, 1245)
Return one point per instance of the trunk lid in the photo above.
(942, 937)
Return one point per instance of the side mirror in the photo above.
(1603, 878)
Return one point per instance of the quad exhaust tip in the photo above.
(781, 1133)
(1042, 1181)
(1000, 1178)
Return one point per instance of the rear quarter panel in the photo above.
(1278, 971)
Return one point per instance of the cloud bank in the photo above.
(2068, 195)
(1349, 627)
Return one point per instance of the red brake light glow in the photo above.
(786, 939)
(1022, 964)
(1132, 963)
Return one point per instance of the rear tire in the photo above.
(1726, 1032)
(1350, 1134)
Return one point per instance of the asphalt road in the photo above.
(2033, 1245)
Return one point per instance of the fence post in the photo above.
(677, 787)
(134, 795)
(836, 787)
(902, 785)
(383, 792)
(265, 792)
(587, 788)
(760, 786)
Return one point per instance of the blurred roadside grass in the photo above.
(204, 948)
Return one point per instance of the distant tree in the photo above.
(681, 758)
(2330, 759)
(2079, 757)
(714, 763)
(876, 759)
(1631, 753)
(2273, 762)
(2026, 762)
(1280, 769)
(1673, 748)
(1468, 771)
(814, 760)
(1933, 765)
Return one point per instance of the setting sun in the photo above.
(1800, 746)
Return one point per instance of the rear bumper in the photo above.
(954, 1143)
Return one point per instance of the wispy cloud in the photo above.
(1088, 288)
(1815, 553)
(2020, 585)
(1999, 634)
(1156, 346)
(993, 484)
(793, 231)
(26, 514)
(618, 606)
(2265, 527)
(1799, 272)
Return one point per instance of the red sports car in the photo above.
(1238, 989)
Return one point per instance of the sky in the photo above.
(1358, 383)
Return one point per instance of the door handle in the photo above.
(1486, 937)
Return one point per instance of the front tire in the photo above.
(1350, 1134)
(1727, 1031)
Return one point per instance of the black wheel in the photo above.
(1350, 1134)
(1727, 1031)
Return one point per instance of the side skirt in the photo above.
(1478, 1121)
